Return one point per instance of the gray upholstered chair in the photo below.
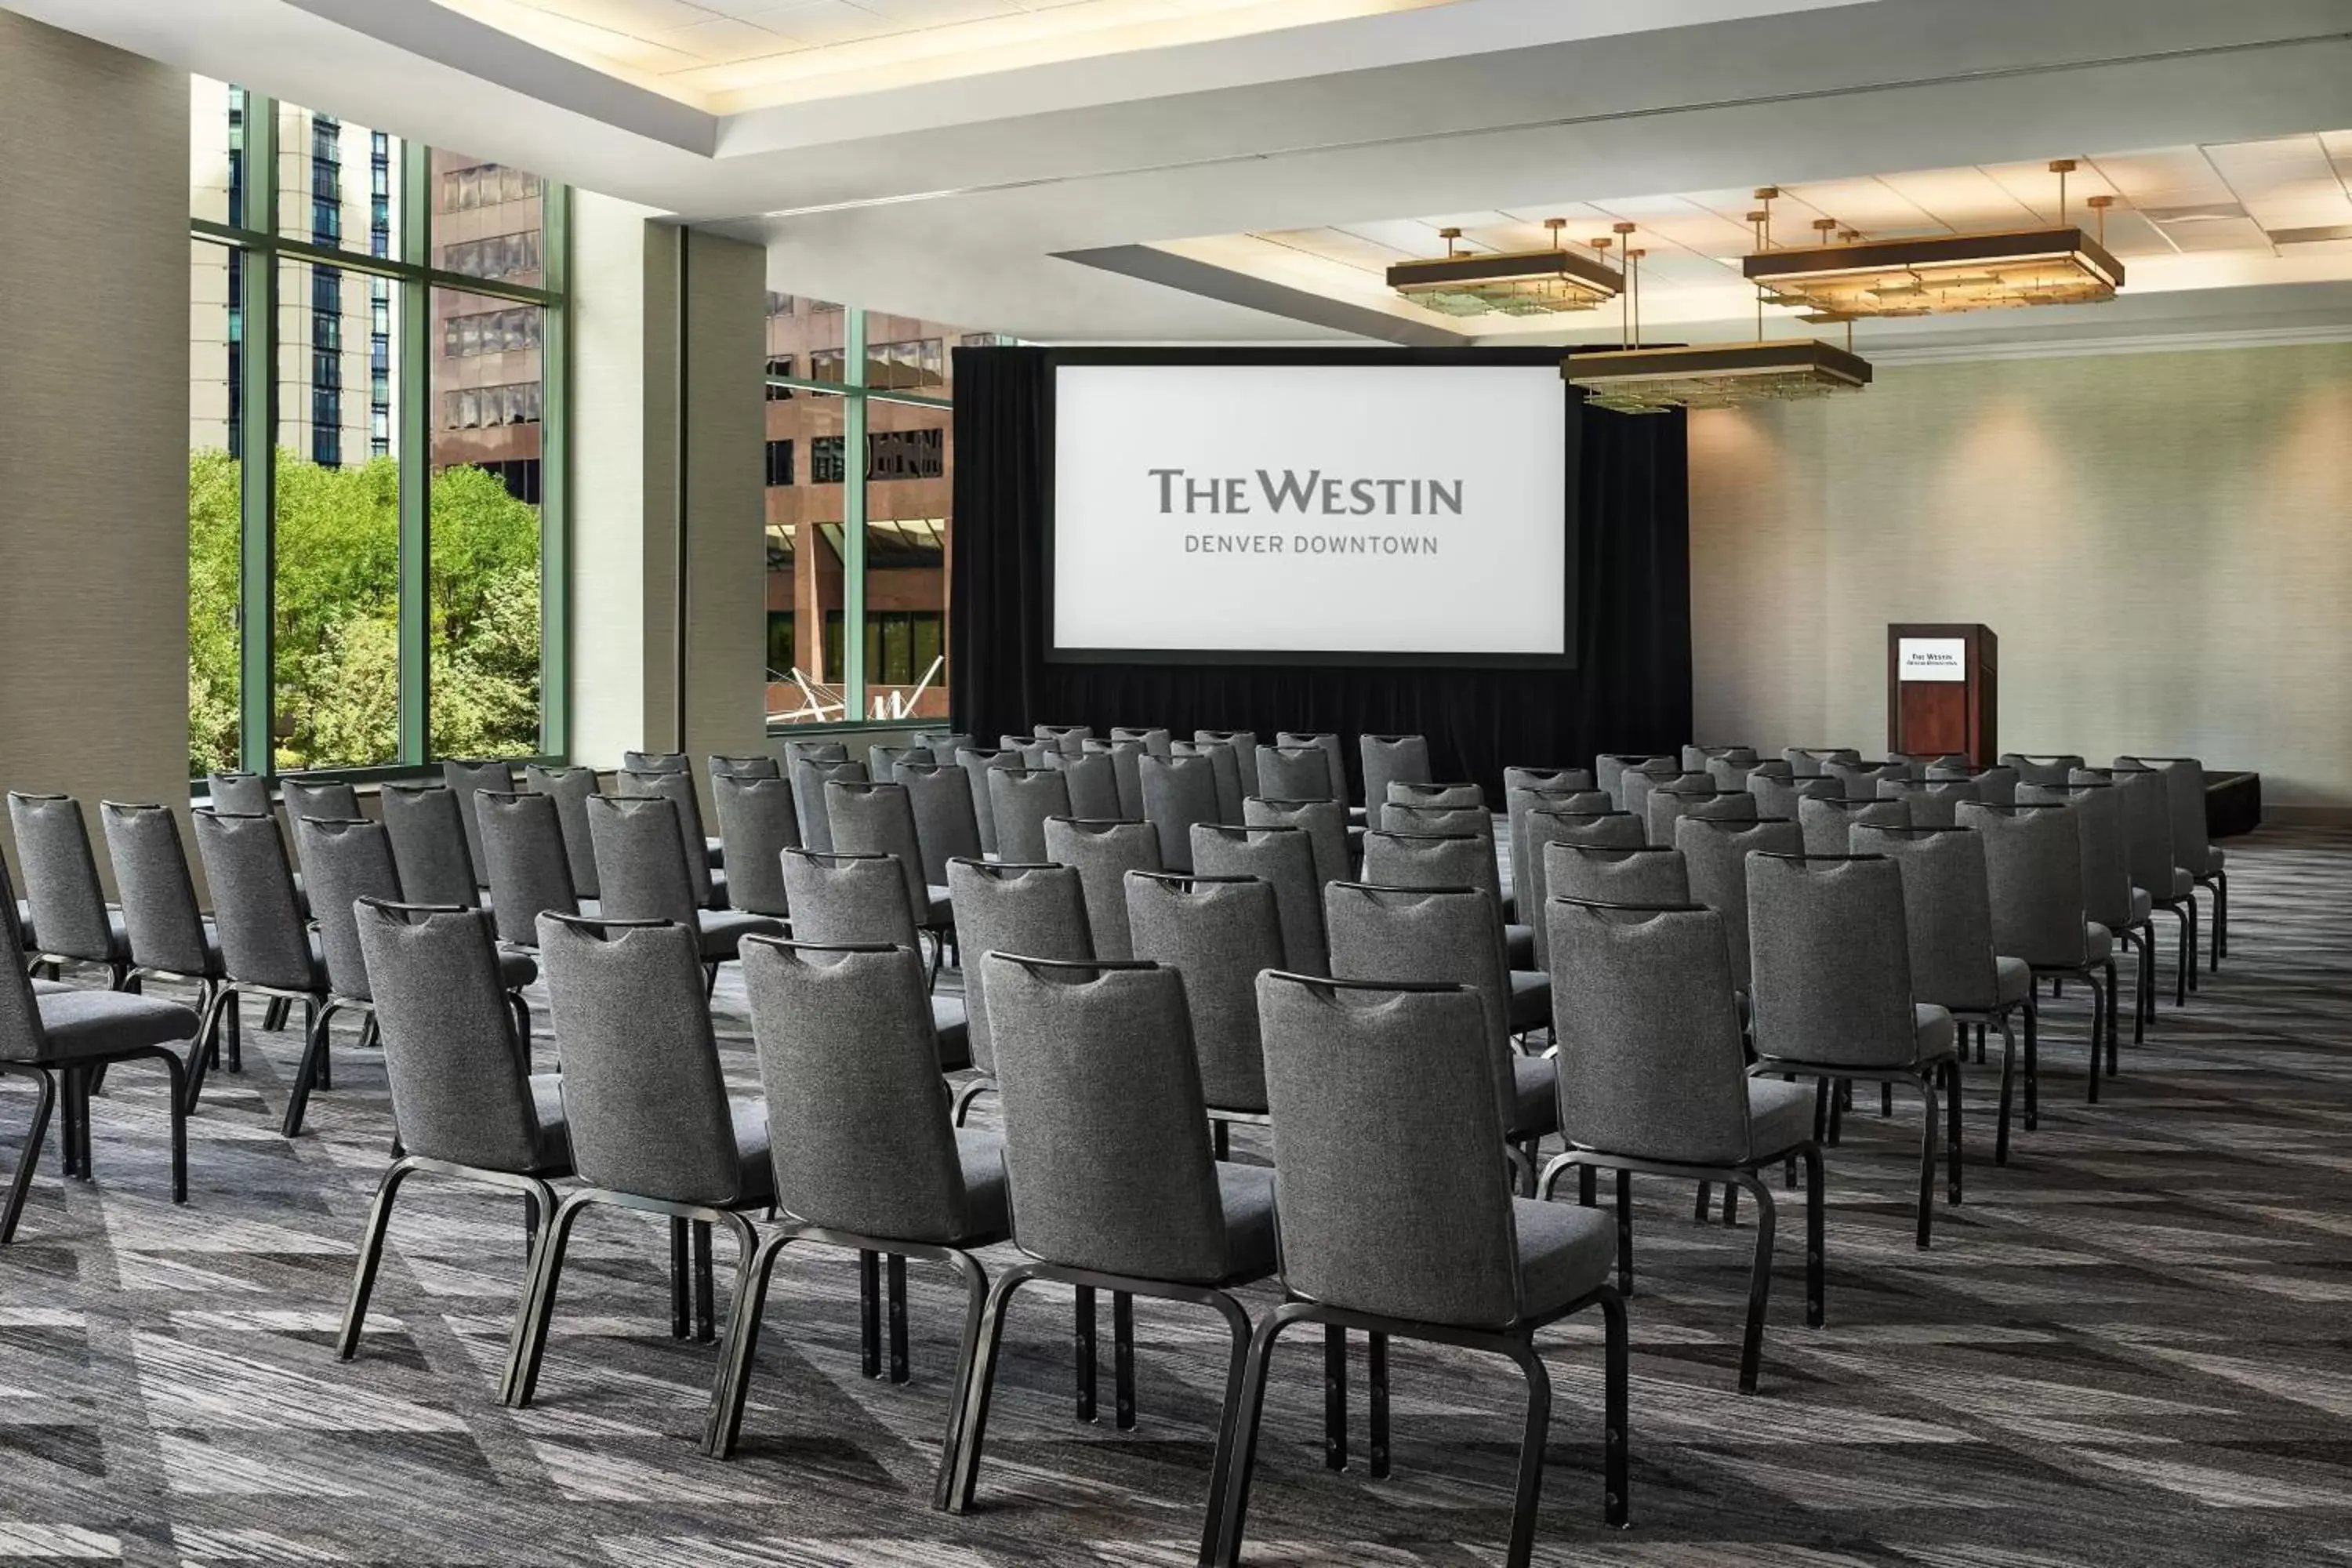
(1125, 772)
(945, 743)
(1694, 795)
(1831, 993)
(644, 877)
(266, 948)
(882, 762)
(866, 1155)
(1177, 792)
(430, 844)
(1245, 745)
(1695, 758)
(348, 861)
(1861, 779)
(810, 775)
(1634, 784)
(1441, 796)
(2193, 850)
(1931, 802)
(1545, 826)
(1155, 740)
(1463, 860)
(1325, 822)
(1812, 761)
(1829, 821)
(1518, 800)
(1294, 773)
(1115, 1187)
(1021, 799)
(843, 899)
(946, 826)
(1650, 876)
(467, 777)
(976, 764)
(879, 819)
(1335, 757)
(2033, 865)
(68, 907)
(1609, 770)
(2043, 770)
(655, 762)
(1778, 796)
(1031, 750)
(1390, 760)
(334, 800)
(677, 786)
(2147, 819)
(1218, 932)
(757, 765)
(1397, 817)
(1546, 778)
(170, 938)
(2109, 897)
(1733, 771)
(1000, 907)
(1995, 785)
(1449, 936)
(463, 1094)
(1948, 920)
(1653, 1080)
(1225, 768)
(1410, 1236)
(1284, 859)
(1068, 739)
(646, 1105)
(1714, 860)
(806, 750)
(757, 819)
(1103, 853)
(571, 788)
(524, 857)
(1092, 781)
(238, 794)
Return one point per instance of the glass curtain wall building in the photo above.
(375, 501)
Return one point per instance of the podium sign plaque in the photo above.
(1941, 687)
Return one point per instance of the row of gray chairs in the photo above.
(1295, 766)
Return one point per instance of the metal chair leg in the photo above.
(1122, 1360)
(2007, 1086)
(1625, 1232)
(895, 1291)
(1376, 1364)
(725, 1421)
(1927, 1160)
(1334, 1397)
(1759, 1288)
(378, 1220)
(21, 1184)
(1527, 1494)
(979, 1384)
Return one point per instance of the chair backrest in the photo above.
(1335, 756)
(1154, 738)
(1831, 960)
(842, 899)
(1284, 859)
(882, 762)
(429, 843)
(460, 1089)
(1420, 1226)
(1545, 826)
(343, 862)
(1812, 762)
(523, 854)
(1177, 792)
(1518, 800)
(1295, 773)
(1634, 784)
(2184, 784)
(1996, 785)
(238, 794)
(1245, 745)
(642, 1093)
(1391, 760)
(1777, 796)
(1695, 758)
(1224, 767)
(654, 763)
(946, 826)
(1429, 861)
(638, 865)
(1439, 796)
(879, 819)
(1325, 822)
(571, 788)
(857, 1116)
(1664, 807)
(2033, 866)
(1021, 799)
(1125, 773)
(468, 777)
(1931, 802)
(1105, 1131)
(22, 1037)
(1732, 772)
(159, 911)
(1068, 739)
(1092, 782)
(1547, 779)
(1030, 751)
(809, 778)
(1946, 911)
(263, 938)
(756, 823)
(693, 847)
(1861, 780)
(1102, 853)
(61, 882)
(944, 744)
(760, 766)
(1715, 857)
(1654, 874)
(1828, 821)
(1038, 912)
(1449, 936)
(1609, 770)
(2105, 840)
(976, 764)
(1651, 1062)
(2148, 825)
(332, 799)
(1219, 933)
(2041, 770)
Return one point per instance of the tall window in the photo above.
(369, 509)
(858, 527)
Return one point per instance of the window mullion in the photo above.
(257, 598)
(413, 392)
(853, 514)
(554, 479)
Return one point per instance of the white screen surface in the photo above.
(1379, 508)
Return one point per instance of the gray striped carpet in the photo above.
(2130, 1346)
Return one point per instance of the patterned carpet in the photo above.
(2129, 1347)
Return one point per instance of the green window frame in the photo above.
(258, 237)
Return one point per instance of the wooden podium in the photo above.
(1941, 690)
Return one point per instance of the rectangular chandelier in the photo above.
(1944, 272)
(1515, 282)
(1714, 376)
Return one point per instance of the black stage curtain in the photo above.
(1631, 691)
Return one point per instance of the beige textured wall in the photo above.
(93, 420)
(726, 508)
(2162, 541)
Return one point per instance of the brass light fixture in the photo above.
(2059, 265)
(1515, 282)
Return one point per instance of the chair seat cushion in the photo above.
(988, 1205)
(1531, 1000)
(2142, 905)
(2013, 981)
(554, 1141)
(81, 1024)
(1935, 1032)
(2214, 861)
(1780, 1115)
(758, 1180)
(954, 1028)
(516, 970)
(1565, 1251)
(939, 908)
(1246, 1193)
(2183, 883)
(52, 987)
(1535, 1096)
(2098, 943)
(723, 931)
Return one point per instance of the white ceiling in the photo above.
(1040, 199)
